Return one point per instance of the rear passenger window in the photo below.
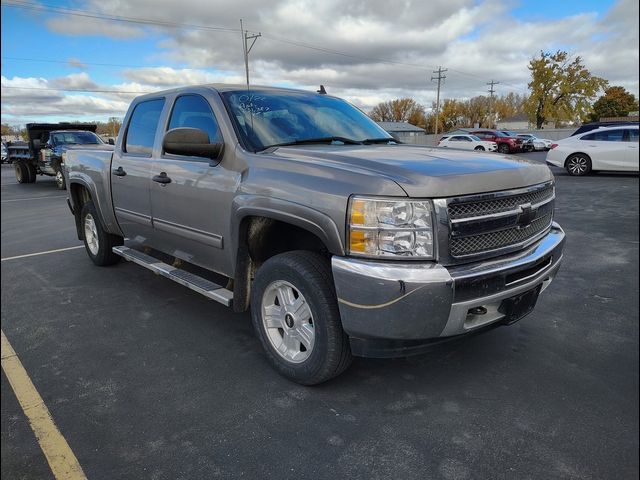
(606, 136)
(194, 111)
(142, 127)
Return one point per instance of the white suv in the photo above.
(607, 148)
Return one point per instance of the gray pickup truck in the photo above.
(339, 239)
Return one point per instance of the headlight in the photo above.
(63, 157)
(390, 228)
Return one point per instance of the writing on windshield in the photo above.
(265, 118)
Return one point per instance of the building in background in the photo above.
(403, 131)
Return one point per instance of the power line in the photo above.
(137, 20)
(80, 63)
(81, 90)
(102, 16)
(440, 77)
(143, 21)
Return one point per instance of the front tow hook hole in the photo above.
(477, 311)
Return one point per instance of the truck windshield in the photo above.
(266, 118)
(75, 138)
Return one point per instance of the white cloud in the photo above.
(476, 40)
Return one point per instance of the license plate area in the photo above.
(519, 306)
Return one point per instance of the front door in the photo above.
(191, 211)
(131, 171)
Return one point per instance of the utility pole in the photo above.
(491, 91)
(439, 78)
(246, 48)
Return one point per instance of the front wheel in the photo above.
(503, 148)
(61, 183)
(578, 164)
(97, 241)
(295, 315)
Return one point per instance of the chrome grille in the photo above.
(494, 223)
(488, 207)
(496, 240)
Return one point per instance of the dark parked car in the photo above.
(587, 127)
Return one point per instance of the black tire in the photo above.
(61, 181)
(22, 172)
(503, 148)
(578, 164)
(33, 174)
(310, 274)
(99, 253)
(479, 148)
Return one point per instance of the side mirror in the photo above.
(191, 141)
(111, 141)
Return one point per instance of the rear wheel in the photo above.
(578, 164)
(503, 148)
(33, 174)
(295, 315)
(479, 148)
(22, 172)
(97, 241)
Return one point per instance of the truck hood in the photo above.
(426, 171)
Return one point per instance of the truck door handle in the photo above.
(162, 178)
(119, 172)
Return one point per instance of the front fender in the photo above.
(314, 221)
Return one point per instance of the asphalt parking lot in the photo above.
(147, 379)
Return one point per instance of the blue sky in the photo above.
(477, 40)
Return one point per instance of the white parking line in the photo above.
(42, 253)
(32, 198)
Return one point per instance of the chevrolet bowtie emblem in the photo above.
(526, 215)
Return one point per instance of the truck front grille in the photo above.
(488, 207)
(496, 240)
(491, 223)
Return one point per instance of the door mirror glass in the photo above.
(192, 142)
(111, 141)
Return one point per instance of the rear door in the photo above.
(191, 212)
(607, 149)
(131, 170)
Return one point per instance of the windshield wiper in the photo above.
(307, 141)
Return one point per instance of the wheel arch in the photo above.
(263, 227)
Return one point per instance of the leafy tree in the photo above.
(509, 105)
(616, 102)
(7, 129)
(561, 88)
(400, 110)
(110, 128)
(452, 114)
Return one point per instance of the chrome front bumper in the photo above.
(416, 302)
